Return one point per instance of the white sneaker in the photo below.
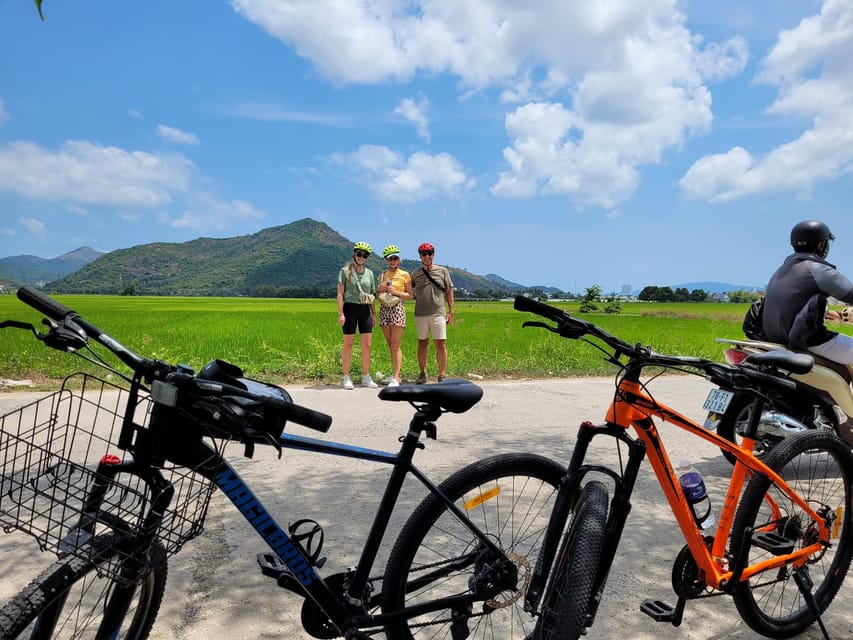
(367, 381)
(347, 383)
(387, 380)
(394, 383)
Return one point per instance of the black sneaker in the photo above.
(421, 379)
(440, 378)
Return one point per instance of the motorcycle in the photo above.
(824, 400)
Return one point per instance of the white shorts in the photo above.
(431, 325)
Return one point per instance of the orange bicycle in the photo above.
(782, 546)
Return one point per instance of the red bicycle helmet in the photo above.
(426, 246)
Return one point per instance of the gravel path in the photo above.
(216, 590)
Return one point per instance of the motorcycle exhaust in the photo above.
(779, 425)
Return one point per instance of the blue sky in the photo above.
(552, 142)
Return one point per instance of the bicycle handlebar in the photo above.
(149, 368)
(731, 376)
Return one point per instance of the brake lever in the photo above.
(250, 436)
(15, 324)
(540, 325)
(64, 336)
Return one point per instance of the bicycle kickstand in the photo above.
(804, 584)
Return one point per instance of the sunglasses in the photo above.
(361, 254)
(427, 253)
(389, 258)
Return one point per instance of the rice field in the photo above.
(286, 340)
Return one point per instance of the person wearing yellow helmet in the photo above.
(395, 286)
(356, 295)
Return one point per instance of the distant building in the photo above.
(626, 289)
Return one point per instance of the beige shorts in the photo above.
(436, 326)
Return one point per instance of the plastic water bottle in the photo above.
(693, 486)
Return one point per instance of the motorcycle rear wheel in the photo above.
(734, 420)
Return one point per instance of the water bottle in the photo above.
(693, 486)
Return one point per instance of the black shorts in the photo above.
(357, 315)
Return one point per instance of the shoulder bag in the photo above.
(387, 299)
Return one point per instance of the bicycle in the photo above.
(785, 517)
(116, 477)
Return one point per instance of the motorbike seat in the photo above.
(843, 370)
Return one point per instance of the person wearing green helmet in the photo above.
(395, 286)
(356, 295)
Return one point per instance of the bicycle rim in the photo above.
(510, 498)
(72, 599)
(819, 467)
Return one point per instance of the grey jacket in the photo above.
(795, 301)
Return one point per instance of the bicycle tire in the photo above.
(819, 466)
(77, 582)
(564, 615)
(510, 497)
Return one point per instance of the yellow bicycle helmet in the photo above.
(391, 250)
(362, 246)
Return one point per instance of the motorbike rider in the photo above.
(795, 301)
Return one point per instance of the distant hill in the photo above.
(27, 269)
(300, 259)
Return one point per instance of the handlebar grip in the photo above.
(307, 417)
(523, 303)
(43, 303)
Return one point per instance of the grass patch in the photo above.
(286, 340)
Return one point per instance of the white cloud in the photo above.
(176, 135)
(416, 113)
(274, 113)
(397, 179)
(85, 173)
(35, 227)
(630, 74)
(81, 174)
(209, 214)
(810, 65)
(4, 115)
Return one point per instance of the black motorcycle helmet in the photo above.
(811, 236)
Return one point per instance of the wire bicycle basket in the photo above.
(49, 453)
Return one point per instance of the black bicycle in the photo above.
(114, 478)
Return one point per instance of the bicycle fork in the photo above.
(620, 507)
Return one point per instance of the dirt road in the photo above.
(216, 590)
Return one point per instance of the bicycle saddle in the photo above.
(454, 394)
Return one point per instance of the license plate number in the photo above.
(718, 400)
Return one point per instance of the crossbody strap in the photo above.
(431, 279)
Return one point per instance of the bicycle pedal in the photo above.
(658, 610)
(271, 566)
(772, 542)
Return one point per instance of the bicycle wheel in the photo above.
(69, 600)
(568, 598)
(509, 497)
(819, 467)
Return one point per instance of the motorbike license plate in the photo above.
(718, 400)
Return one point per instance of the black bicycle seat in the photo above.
(453, 394)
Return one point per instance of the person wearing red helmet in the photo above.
(433, 290)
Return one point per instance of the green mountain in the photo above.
(300, 259)
(26, 269)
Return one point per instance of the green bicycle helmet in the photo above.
(362, 246)
(391, 250)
